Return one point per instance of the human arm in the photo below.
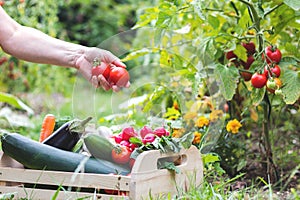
(32, 45)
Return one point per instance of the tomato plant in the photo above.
(225, 40)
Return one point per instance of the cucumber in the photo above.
(35, 155)
(98, 146)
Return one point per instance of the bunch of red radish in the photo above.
(146, 135)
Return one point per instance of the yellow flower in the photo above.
(197, 137)
(215, 115)
(202, 121)
(178, 132)
(233, 126)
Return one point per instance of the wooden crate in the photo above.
(145, 180)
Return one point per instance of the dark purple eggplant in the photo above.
(67, 136)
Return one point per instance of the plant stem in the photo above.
(271, 168)
(271, 10)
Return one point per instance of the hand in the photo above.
(85, 63)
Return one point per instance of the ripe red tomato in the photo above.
(276, 71)
(230, 55)
(273, 54)
(258, 80)
(119, 76)
(101, 69)
(121, 154)
(226, 107)
(248, 63)
(250, 46)
(246, 76)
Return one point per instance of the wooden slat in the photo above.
(103, 181)
(42, 194)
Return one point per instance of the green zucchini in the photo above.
(98, 146)
(35, 155)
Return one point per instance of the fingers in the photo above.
(118, 63)
(104, 83)
(107, 86)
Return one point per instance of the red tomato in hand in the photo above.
(121, 154)
(258, 80)
(119, 76)
(273, 54)
(101, 69)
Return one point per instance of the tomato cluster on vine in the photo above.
(269, 76)
(271, 73)
(250, 48)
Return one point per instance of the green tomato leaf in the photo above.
(149, 15)
(257, 95)
(294, 4)
(138, 53)
(228, 77)
(198, 9)
(241, 52)
(291, 86)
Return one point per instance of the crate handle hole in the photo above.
(177, 160)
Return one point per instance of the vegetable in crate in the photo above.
(47, 127)
(35, 155)
(66, 136)
(98, 146)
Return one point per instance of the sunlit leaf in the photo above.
(291, 86)
(257, 95)
(227, 76)
(210, 158)
(149, 15)
(294, 4)
(241, 52)
(138, 53)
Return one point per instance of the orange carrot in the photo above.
(47, 127)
